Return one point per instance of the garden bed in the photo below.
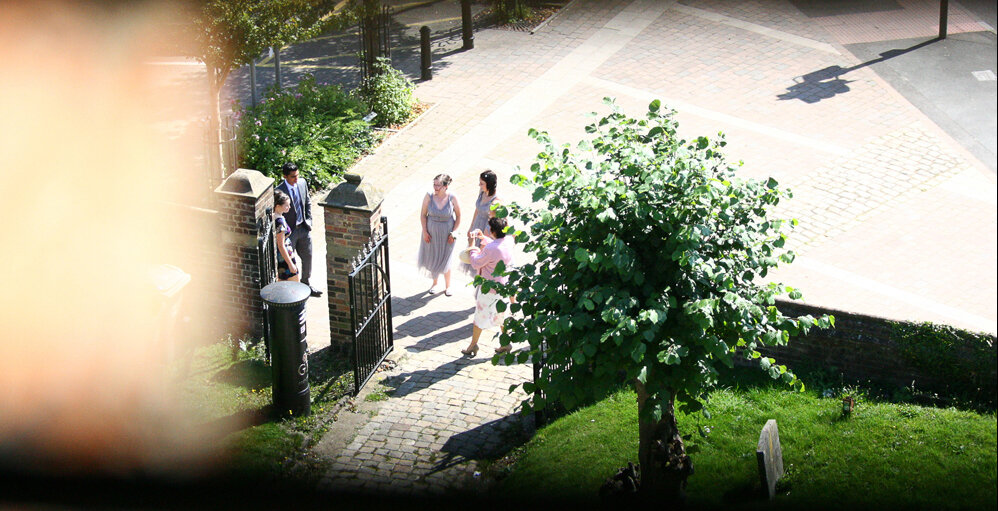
(537, 18)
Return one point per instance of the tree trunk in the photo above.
(664, 463)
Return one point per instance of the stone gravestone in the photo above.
(770, 457)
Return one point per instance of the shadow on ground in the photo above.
(827, 83)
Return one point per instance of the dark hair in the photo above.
(288, 168)
(443, 178)
(498, 227)
(490, 181)
(281, 198)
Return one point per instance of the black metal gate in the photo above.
(267, 256)
(540, 362)
(371, 307)
(375, 39)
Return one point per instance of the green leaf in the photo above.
(638, 353)
(654, 106)
(581, 255)
(539, 193)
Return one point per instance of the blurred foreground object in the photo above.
(85, 161)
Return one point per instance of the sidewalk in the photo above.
(897, 220)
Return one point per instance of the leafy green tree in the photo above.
(230, 33)
(649, 256)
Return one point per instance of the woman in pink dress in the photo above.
(498, 247)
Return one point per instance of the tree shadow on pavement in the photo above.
(827, 83)
(491, 440)
(402, 385)
(425, 324)
(404, 305)
(459, 334)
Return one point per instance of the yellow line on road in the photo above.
(310, 66)
(351, 32)
(315, 59)
(431, 22)
(413, 5)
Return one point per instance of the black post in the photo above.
(253, 82)
(466, 33)
(943, 17)
(285, 302)
(277, 67)
(424, 52)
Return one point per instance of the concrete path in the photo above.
(897, 219)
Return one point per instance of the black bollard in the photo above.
(466, 33)
(426, 64)
(288, 347)
(943, 18)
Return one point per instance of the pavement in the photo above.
(894, 183)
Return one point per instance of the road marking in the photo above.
(349, 32)
(308, 66)
(173, 63)
(730, 120)
(984, 76)
(412, 5)
(968, 318)
(752, 27)
(316, 59)
(432, 22)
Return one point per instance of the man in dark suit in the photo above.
(299, 218)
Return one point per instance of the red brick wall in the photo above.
(859, 347)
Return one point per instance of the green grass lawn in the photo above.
(227, 393)
(884, 455)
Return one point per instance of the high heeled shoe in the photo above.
(471, 352)
(503, 349)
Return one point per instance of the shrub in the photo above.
(507, 11)
(962, 361)
(388, 93)
(320, 127)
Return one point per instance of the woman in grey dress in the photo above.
(483, 210)
(440, 216)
